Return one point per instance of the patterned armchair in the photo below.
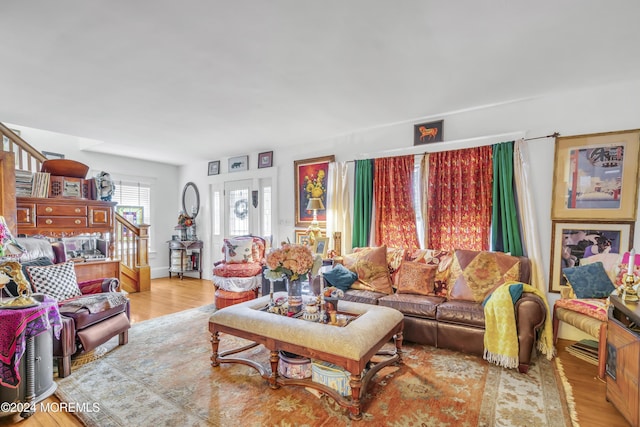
(238, 276)
(584, 303)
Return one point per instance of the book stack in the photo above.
(40, 186)
(586, 350)
(24, 181)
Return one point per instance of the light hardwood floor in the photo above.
(172, 295)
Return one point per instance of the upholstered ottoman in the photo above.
(350, 347)
(224, 298)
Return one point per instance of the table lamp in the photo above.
(314, 230)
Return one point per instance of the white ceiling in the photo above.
(176, 81)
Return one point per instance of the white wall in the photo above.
(599, 109)
(162, 177)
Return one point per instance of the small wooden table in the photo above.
(350, 347)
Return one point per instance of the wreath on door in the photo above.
(241, 209)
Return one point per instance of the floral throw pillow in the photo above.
(370, 264)
(440, 259)
(416, 278)
(238, 250)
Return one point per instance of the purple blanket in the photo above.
(16, 326)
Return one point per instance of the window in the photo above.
(134, 194)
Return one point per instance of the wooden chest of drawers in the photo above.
(63, 217)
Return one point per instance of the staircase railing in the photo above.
(130, 242)
(131, 246)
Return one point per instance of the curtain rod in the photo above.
(505, 136)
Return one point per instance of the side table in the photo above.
(185, 257)
(26, 353)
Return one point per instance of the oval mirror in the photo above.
(190, 200)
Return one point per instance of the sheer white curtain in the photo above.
(530, 232)
(338, 199)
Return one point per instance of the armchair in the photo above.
(92, 312)
(238, 276)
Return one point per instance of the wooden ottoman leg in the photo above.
(354, 409)
(397, 338)
(273, 378)
(215, 342)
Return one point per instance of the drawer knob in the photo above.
(48, 222)
(77, 221)
(77, 210)
(48, 209)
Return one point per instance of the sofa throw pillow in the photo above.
(370, 264)
(57, 280)
(589, 281)
(416, 278)
(238, 249)
(340, 277)
(441, 259)
(475, 274)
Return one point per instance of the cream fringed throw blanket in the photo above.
(501, 335)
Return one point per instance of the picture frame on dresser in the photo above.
(596, 176)
(573, 241)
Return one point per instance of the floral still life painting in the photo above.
(311, 182)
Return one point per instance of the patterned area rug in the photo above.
(163, 377)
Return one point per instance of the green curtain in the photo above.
(505, 227)
(363, 203)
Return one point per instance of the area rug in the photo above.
(163, 377)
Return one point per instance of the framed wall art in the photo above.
(239, 163)
(265, 160)
(572, 242)
(133, 214)
(596, 177)
(425, 133)
(302, 237)
(310, 180)
(214, 167)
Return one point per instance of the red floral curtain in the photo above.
(393, 193)
(459, 204)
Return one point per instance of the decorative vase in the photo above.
(294, 290)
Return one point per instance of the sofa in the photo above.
(441, 293)
(92, 312)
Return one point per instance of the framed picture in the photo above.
(239, 163)
(214, 167)
(310, 179)
(596, 176)
(572, 242)
(265, 160)
(425, 133)
(50, 155)
(302, 238)
(133, 214)
(320, 246)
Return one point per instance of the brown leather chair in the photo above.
(87, 322)
(85, 328)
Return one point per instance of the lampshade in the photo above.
(315, 203)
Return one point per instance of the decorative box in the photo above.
(293, 366)
(331, 375)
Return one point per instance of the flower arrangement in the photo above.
(184, 220)
(291, 261)
(314, 186)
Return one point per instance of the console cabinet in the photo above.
(56, 217)
(185, 257)
(623, 358)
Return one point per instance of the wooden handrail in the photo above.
(27, 157)
(131, 246)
